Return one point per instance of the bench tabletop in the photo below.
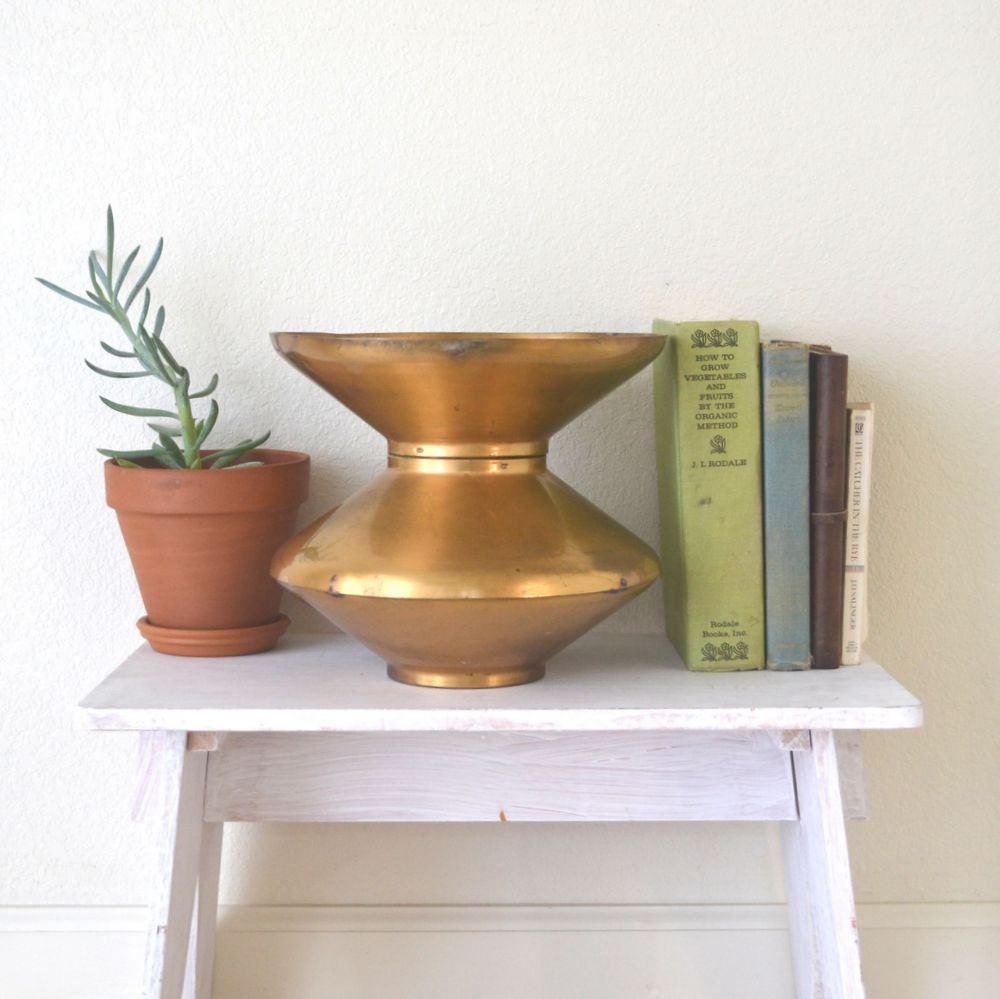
(329, 682)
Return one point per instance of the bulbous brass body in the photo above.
(467, 563)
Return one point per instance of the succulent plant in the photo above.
(179, 443)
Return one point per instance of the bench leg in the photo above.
(823, 922)
(180, 778)
(201, 956)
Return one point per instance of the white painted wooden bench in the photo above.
(617, 731)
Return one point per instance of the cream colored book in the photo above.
(861, 423)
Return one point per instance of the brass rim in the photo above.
(475, 334)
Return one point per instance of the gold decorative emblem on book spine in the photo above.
(715, 338)
(724, 652)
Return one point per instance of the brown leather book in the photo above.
(828, 501)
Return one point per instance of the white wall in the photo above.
(830, 170)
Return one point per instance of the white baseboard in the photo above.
(497, 918)
(911, 950)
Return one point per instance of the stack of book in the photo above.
(764, 478)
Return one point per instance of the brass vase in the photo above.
(467, 563)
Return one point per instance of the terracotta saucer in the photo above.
(213, 641)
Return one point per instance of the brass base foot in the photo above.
(467, 679)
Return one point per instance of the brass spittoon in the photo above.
(467, 563)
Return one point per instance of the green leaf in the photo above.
(161, 315)
(125, 454)
(164, 457)
(68, 294)
(146, 352)
(136, 410)
(208, 425)
(102, 304)
(115, 352)
(145, 345)
(164, 352)
(207, 390)
(170, 446)
(125, 463)
(97, 276)
(164, 431)
(124, 271)
(144, 277)
(150, 363)
(116, 374)
(145, 309)
(223, 458)
(243, 464)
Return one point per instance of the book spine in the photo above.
(707, 400)
(861, 424)
(827, 488)
(785, 433)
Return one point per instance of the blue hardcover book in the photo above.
(785, 438)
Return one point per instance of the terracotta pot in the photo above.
(201, 543)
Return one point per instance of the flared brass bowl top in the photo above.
(468, 394)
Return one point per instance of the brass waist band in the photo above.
(532, 465)
(504, 449)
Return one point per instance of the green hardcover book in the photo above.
(707, 398)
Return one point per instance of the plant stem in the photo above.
(189, 433)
